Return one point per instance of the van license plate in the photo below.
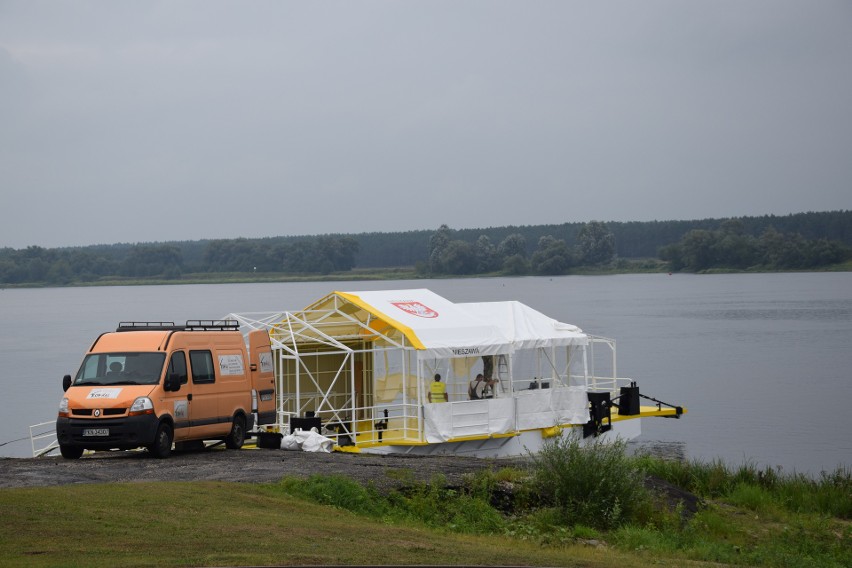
(96, 431)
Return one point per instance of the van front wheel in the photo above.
(235, 439)
(70, 452)
(162, 446)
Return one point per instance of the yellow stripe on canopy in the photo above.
(404, 329)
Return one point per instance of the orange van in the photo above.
(152, 384)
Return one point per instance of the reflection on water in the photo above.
(824, 311)
(675, 451)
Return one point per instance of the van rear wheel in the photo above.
(162, 446)
(235, 439)
(70, 452)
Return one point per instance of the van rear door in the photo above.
(262, 376)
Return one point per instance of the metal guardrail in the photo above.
(611, 384)
(39, 434)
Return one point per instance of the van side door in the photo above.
(206, 422)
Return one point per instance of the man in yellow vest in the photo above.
(438, 390)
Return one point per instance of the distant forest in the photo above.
(798, 241)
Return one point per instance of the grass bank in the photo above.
(573, 506)
(230, 524)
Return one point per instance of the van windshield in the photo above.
(120, 369)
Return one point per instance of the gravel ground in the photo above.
(247, 465)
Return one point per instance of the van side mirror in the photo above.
(66, 382)
(172, 382)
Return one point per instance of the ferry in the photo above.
(360, 366)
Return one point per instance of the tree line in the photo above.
(633, 239)
(799, 241)
(455, 256)
(170, 261)
(732, 248)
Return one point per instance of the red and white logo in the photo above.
(416, 309)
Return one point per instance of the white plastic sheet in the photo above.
(549, 407)
(307, 441)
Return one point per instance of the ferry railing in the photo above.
(609, 384)
(38, 435)
(395, 423)
(315, 401)
(385, 423)
(283, 420)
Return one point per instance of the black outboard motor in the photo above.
(600, 410)
(628, 400)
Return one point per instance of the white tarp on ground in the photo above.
(307, 441)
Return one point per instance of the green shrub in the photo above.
(595, 484)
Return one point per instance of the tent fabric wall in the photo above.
(447, 421)
(548, 407)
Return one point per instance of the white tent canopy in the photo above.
(436, 327)
(525, 327)
(439, 328)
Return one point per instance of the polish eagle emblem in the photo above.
(416, 309)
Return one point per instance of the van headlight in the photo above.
(141, 405)
(63, 408)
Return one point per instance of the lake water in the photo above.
(763, 362)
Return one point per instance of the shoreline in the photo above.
(385, 274)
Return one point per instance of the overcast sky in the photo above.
(159, 121)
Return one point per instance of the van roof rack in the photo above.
(191, 325)
(213, 325)
(145, 325)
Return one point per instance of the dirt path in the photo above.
(247, 465)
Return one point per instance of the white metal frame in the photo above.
(291, 330)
